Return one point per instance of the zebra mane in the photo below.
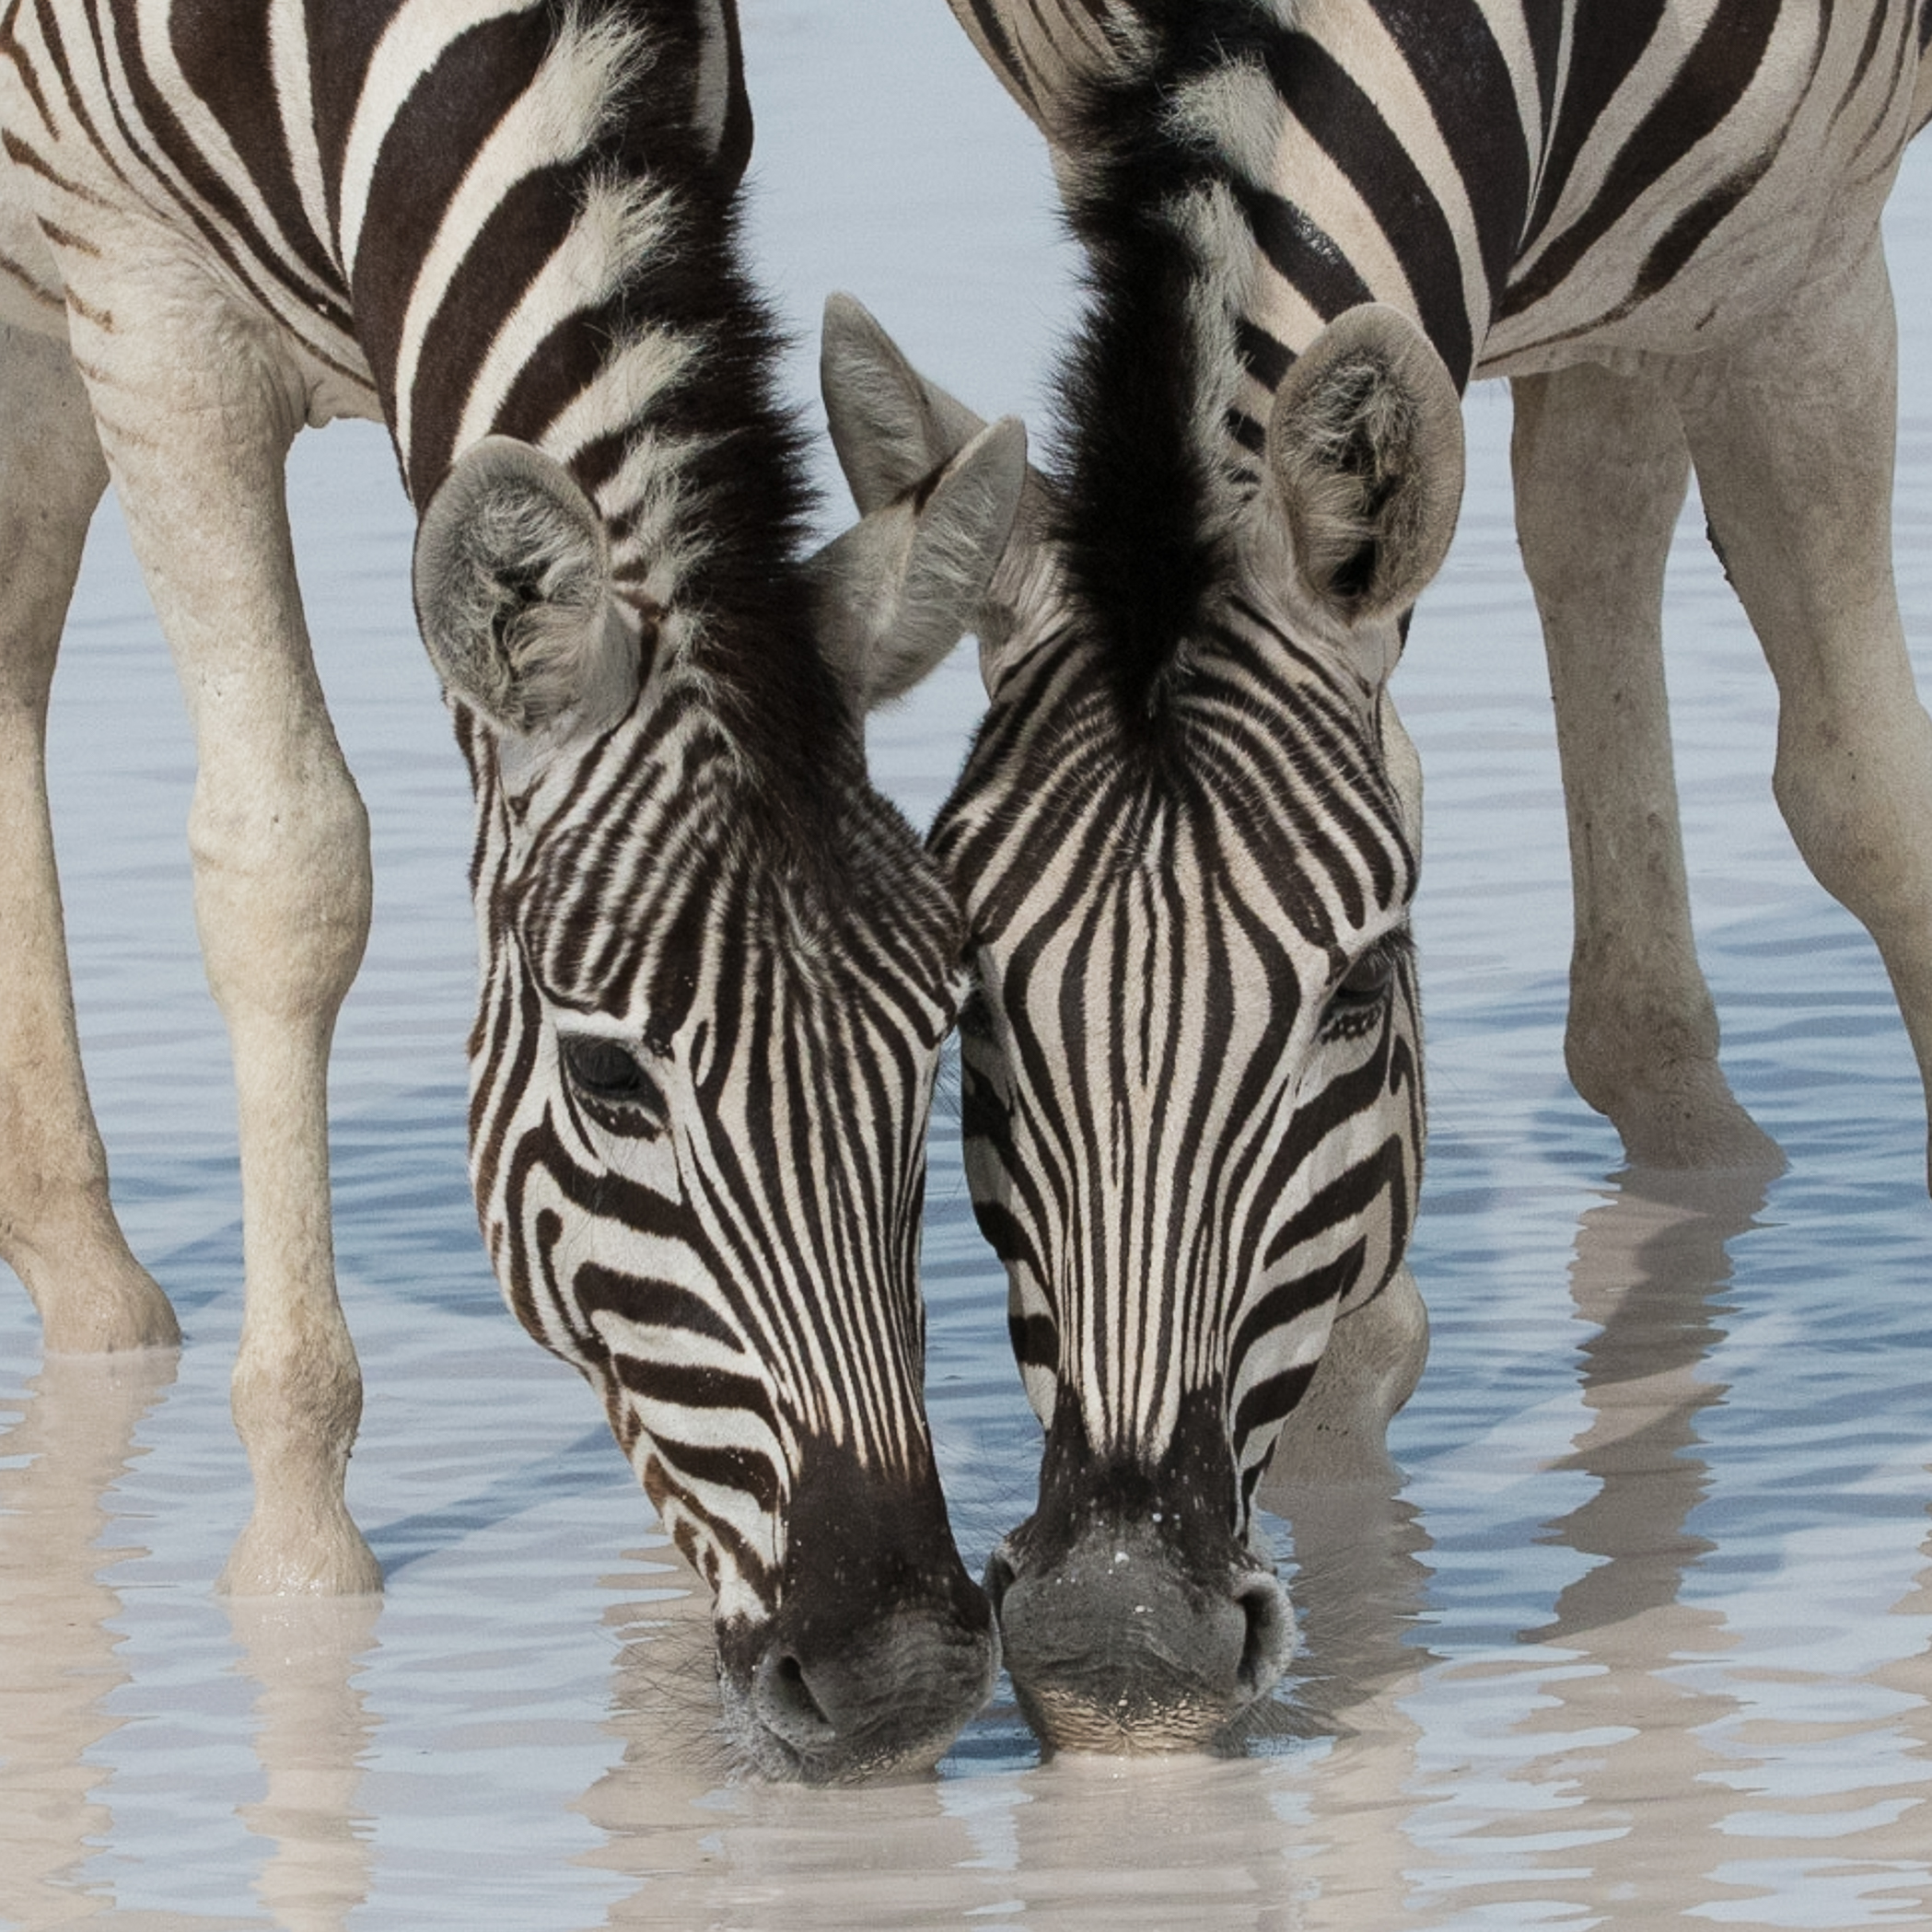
(1158, 154)
(710, 481)
(706, 471)
(635, 348)
(699, 464)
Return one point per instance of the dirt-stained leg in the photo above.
(1793, 433)
(197, 408)
(1601, 471)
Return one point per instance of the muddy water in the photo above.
(1643, 1634)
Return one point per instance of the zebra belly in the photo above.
(1742, 280)
(30, 294)
(1784, 197)
(77, 233)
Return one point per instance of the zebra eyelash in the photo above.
(608, 1082)
(1361, 997)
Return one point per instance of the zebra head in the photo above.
(1185, 843)
(717, 970)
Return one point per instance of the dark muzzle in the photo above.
(881, 1647)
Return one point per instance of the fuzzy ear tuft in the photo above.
(1365, 444)
(512, 579)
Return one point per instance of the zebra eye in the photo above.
(605, 1076)
(1367, 980)
(1359, 992)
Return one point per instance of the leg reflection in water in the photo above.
(63, 1662)
(1645, 1758)
(58, 1655)
(314, 1734)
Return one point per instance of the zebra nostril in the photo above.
(787, 1706)
(1271, 1632)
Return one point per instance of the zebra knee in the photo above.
(282, 891)
(1856, 792)
(1855, 785)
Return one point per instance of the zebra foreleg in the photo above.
(197, 413)
(1793, 433)
(1338, 1433)
(57, 1229)
(1601, 471)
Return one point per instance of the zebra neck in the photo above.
(539, 242)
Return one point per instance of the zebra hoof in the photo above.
(314, 1550)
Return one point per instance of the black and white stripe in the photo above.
(1187, 836)
(1528, 181)
(716, 968)
(702, 1070)
(1194, 1102)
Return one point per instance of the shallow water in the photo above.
(1643, 1634)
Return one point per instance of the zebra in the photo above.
(1187, 834)
(717, 968)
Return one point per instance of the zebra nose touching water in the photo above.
(1186, 838)
(697, 1128)
(716, 967)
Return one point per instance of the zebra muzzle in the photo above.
(880, 1647)
(1116, 1642)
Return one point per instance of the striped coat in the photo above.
(1189, 833)
(717, 968)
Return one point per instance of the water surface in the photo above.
(1643, 1635)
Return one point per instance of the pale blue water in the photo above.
(1644, 1634)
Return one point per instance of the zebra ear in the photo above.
(1365, 444)
(890, 427)
(1045, 55)
(900, 589)
(892, 430)
(512, 578)
(722, 108)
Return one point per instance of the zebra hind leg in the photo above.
(1601, 470)
(1794, 439)
(57, 1228)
